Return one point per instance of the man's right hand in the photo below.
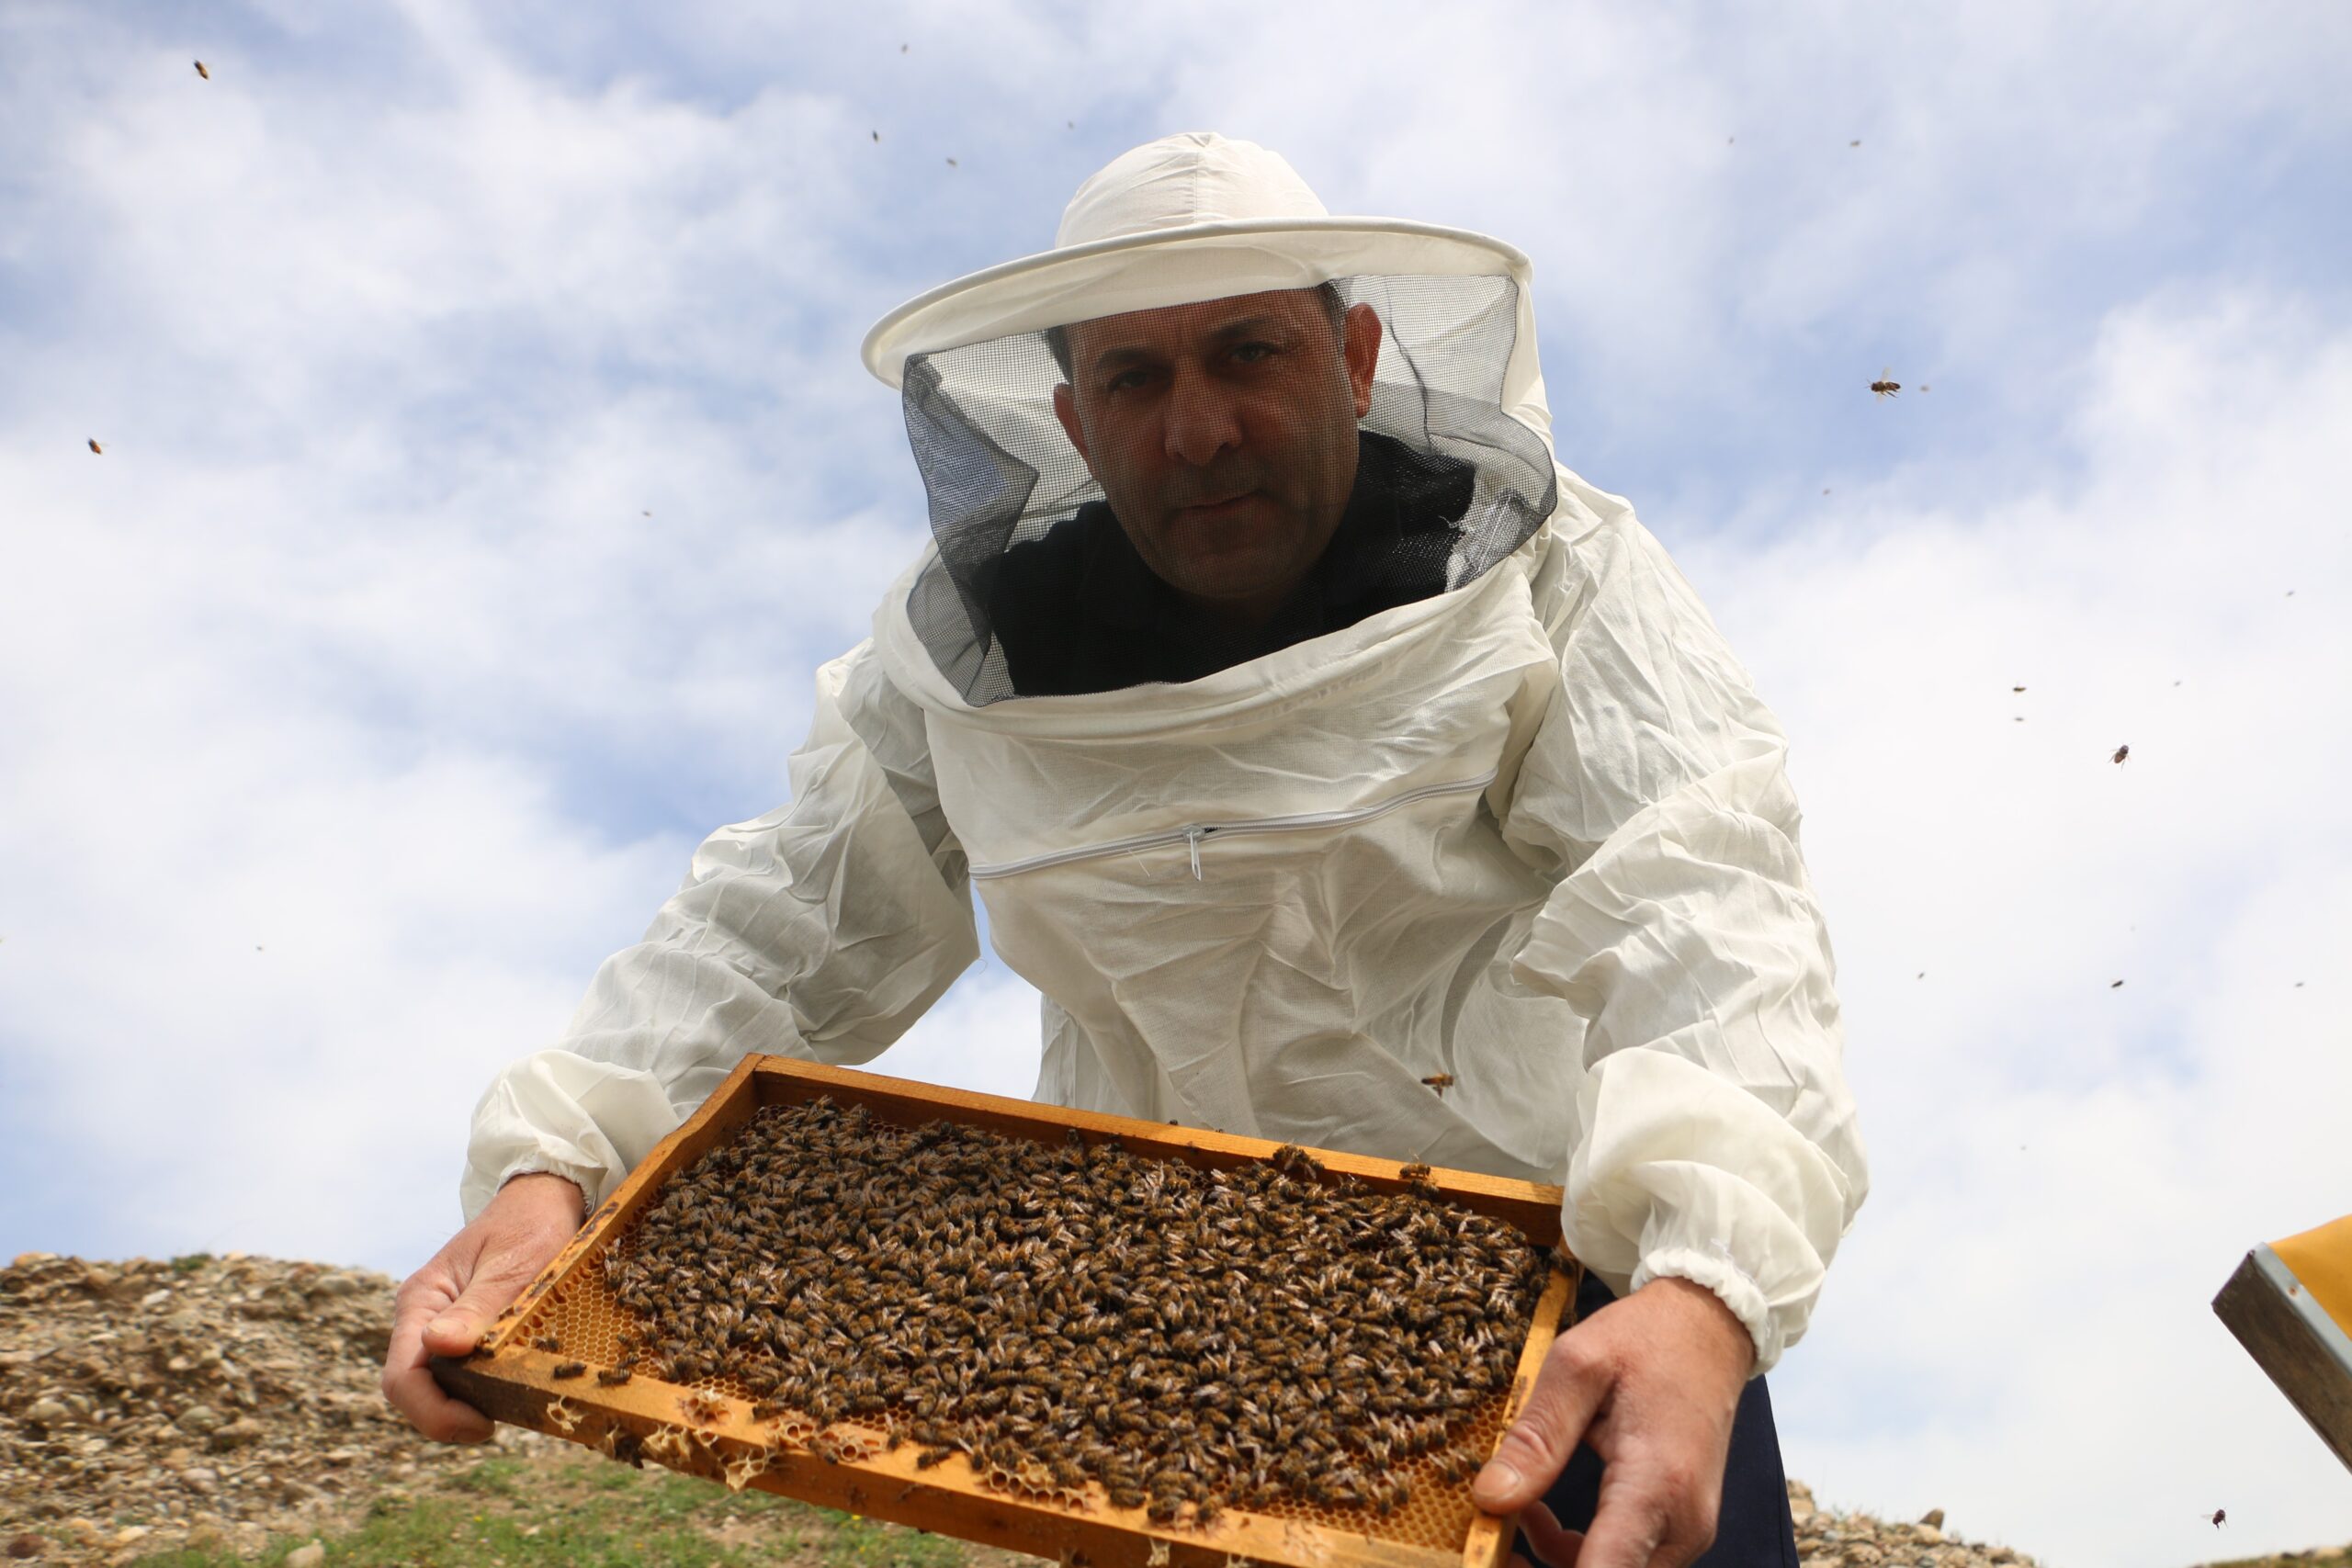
(445, 1306)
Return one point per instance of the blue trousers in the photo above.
(1753, 1530)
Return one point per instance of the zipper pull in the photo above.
(1193, 837)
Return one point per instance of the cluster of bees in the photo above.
(1065, 1313)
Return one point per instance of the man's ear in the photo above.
(1066, 409)
(1363, 354)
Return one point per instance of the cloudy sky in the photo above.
(486, 466)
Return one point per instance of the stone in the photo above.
(1927, 1535)
(238, 1433)
(309, 1556)
(198, 1419)
(48, 1411)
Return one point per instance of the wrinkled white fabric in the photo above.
(1612, 946)
(1536, 832)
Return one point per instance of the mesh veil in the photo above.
(999, 472)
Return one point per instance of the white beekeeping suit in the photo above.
(1531, 830)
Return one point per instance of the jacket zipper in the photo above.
(1192, 836)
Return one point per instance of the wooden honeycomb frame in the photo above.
(846, 1467)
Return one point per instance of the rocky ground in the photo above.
(226, 1408)
(228, 1400)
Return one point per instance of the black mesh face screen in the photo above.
(1036, 592)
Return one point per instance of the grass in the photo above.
(581, 1512)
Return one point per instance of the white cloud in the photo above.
(2064, 1172)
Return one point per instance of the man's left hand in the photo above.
(1651, 1383)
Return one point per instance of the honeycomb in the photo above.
(587, 1322)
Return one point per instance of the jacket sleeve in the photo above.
(819, 930)
(1711, 1135)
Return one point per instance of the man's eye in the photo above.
(1250, 353)
(1126, 380)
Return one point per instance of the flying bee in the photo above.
(94, 445)
(1440, 1082)
(202, 72)
(1884, 386)
(2123, 753)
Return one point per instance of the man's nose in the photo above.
(1201, 419)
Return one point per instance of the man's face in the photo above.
(1224, 436)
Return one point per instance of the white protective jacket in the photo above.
(1534, 832)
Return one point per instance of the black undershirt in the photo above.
(1078, 610)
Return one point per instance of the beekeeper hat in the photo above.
(1184, 219)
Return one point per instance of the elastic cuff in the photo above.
(1733, 1285)
(587, 1184)
(591, 1179)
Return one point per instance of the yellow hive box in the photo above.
(512, 1381)
(2289, 1304)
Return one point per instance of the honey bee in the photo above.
(1440, 1082)
(202, 72)
(614, 1376)
(547, 1342)
(2123, 753)
(94, 445)
(1883, 387)
(568, 1370)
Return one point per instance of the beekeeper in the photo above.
(1309, 732)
